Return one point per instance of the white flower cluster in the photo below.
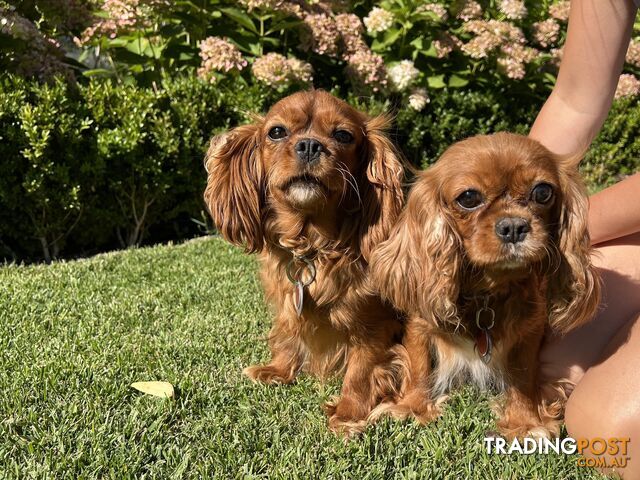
(378, 20)
(418, 99)
(402, 75)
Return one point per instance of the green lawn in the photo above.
(75, 335)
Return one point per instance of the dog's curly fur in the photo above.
(333, 210)
(443, 262)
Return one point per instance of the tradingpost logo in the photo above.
(600, 452)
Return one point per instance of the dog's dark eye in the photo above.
(276, 133)
(470, 199)
(542, 193)
(343, 136)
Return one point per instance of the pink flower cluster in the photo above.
(439, 10)
(513, 9)
(560, 10)
(445, 44)
(367, 69)
(219, 55)
(322, 36)
(628, 86)
(43, 57)
(350, 29)
(633, 53)
(67, 14)
(276, 70)
(470, 10)
(122, 16)
(513, 59)
(556, 56)
(546, 32)
(490, 34)
(259, 4)
(340, 36)
(509, 40)
(336, 36)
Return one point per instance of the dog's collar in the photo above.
(295, 271)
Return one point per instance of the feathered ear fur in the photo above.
(574, 290)
(382, 196)
(418, 268)
(234, 193)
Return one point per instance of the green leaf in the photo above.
(127, 56)
(116, 42)
(284, 25)
(95, 72)
(436, 81)
(179, 51)
(390, 36)
(417, 42)
(456, 81)
(274, 42)
(241, 18)
(430, 52)
(138, 46)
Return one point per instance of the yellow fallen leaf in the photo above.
(157, 389)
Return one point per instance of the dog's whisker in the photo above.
(349, 180)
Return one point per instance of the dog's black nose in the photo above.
(308, 150)
(512, 230)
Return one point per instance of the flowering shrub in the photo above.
(219, 55)
(102, 146)
(404, 48)
(29, 37)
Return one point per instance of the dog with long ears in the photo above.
(312, 188)
(491, 250)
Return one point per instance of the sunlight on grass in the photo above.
(75, 335)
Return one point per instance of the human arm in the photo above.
(615, 211)
(597, 40)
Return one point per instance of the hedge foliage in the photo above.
(93, 167)
(102, 166)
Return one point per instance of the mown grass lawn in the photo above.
(75, 335)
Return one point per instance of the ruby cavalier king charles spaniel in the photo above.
(312, 188)
(491, 251)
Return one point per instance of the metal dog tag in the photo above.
(484, 345)
(484, 342)
(295, 277)
(298, 297)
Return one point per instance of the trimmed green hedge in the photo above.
(104, 166)
(96, 167)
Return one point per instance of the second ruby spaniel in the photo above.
(313, 187)
(491, 250)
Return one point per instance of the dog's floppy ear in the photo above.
(234, 193)
(574, 289)
(382, 195)
(418, 268)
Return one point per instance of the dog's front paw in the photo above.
(417, 406)
(510, 430)
(268, 374)
(346, 416)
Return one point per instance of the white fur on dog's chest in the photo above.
(460, 364)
